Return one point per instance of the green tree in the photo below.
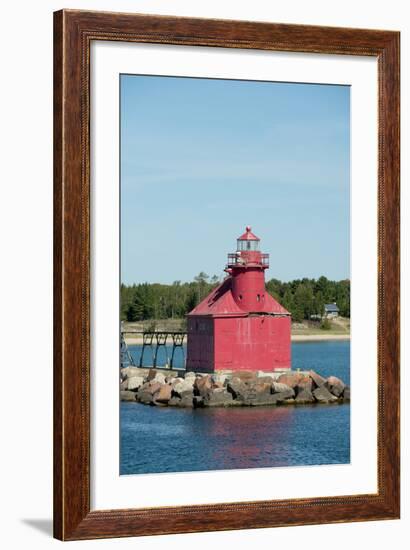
(304, 301)
(214, 280)
(201, 279)
(301, 297)
(191, 301)
(288, 301)
(319, 304)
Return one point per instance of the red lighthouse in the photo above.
(239, 325)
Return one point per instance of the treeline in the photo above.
(305, 298)
(302, 297)
(157, 301)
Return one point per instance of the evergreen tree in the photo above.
(301, 297)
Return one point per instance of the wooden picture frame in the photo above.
(73, 33)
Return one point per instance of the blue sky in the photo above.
(202, 158)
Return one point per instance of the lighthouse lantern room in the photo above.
(239, 326)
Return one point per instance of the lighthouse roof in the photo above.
(248, 235)
(221, 303)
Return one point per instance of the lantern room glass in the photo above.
(246, 245)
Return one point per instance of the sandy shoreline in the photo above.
(135, 340)
(318, 337)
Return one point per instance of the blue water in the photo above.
(166, 439)
(326, 358)
(164, 355)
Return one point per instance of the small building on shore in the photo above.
(239, 326)
(331, 311)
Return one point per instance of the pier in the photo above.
(152, 342)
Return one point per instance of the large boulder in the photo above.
(135, 382)
(152, 374)
(265, 399)
(278, 387)
(126, 395)
(181, 386)
(305, 383)
(145, 397)
(246, 375)
(317, 379)
(163, 395)
(219, 378)
(335, 385)
(291, 379)
(261, 387)
(159, 377)
(323, 395)
(217, 397)
(189, 382)
(237, 388)
(304, 397)
(173, 402)
(186, 394)
(152, 387)
(124, 385)
(283, 396)
(263, 374)
(264, 379)
(186, 402)
(146, 392)
(202, 385)
(254, 390)
(129, 372)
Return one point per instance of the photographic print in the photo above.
(217, 186)
(235, 274)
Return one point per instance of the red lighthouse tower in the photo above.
(239, 325)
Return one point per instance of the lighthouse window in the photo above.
(258, 297)
(248, 245)
(240, 296)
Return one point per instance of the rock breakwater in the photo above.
(229, 389)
